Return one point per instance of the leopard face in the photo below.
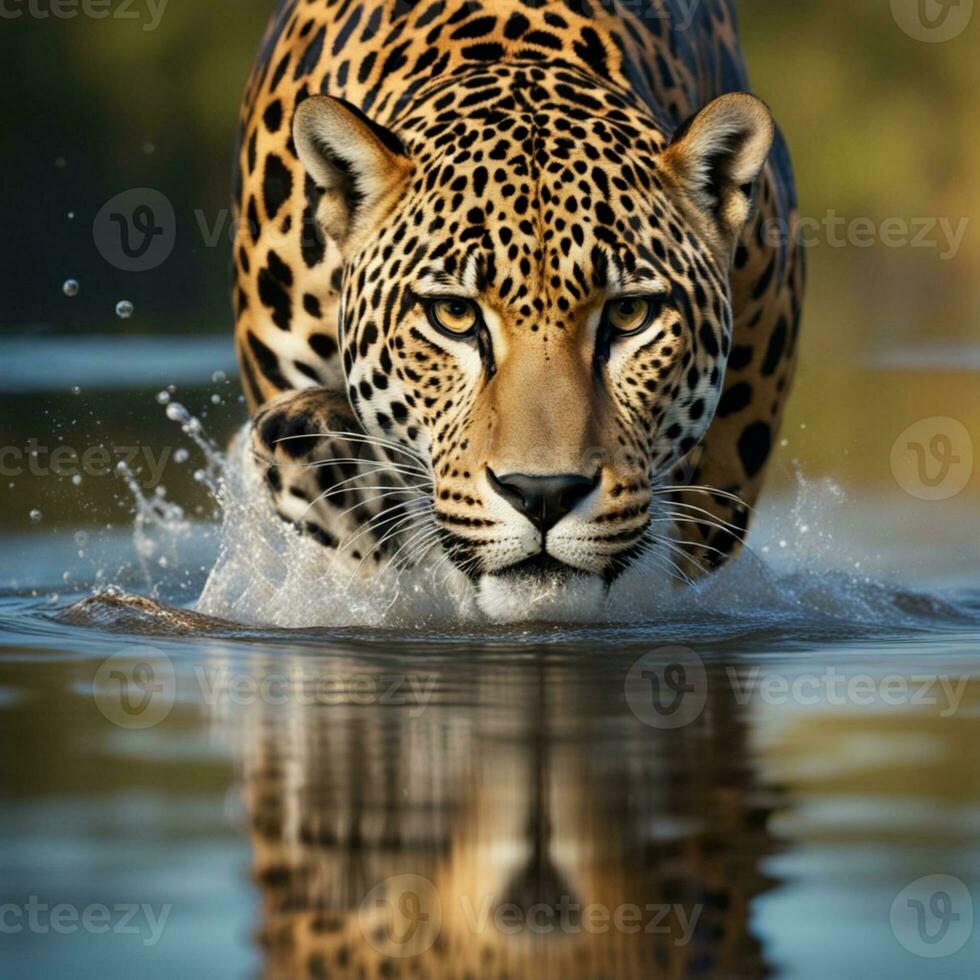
(535, 302)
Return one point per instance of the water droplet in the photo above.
(124, 309)
(81, 538)
(783, 544)
(76, 390)
(71, 215)
(177, 413)
(71, 287)
(219, 376)
(77, 479)
(36, 516)
(163, 397)
(181, 455)
(216, 399)
(200, 476)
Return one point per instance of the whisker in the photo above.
(362, 438)
(698, 522)
(374, 524)
(712, 491)
(701, 510)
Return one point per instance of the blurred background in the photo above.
(879, 110)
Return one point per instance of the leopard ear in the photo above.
(358, 165)
(715, 158)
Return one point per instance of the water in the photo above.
(778, 774)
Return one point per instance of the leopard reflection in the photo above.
(521, 823)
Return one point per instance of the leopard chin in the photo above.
(554, 594)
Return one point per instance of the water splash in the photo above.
(798, 568)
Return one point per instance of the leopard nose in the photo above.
(544, 500)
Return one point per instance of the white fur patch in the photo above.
(556, 599)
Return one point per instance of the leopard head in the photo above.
(536, 302)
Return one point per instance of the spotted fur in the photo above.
(539, 159)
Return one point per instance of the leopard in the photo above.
(517, 288)
(484, 836)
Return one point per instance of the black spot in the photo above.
(328, 540)
(307, 371)
(516, 25)
(350, 25)
(267, 362)
(312, 244)
(777, 344)
(735, 399)
(544, 39)
(274, 296)
(312, 305)
(741, 358)
(291, 434)
(709, 340)
(591, 51)
(277, 185)
(754, 446)
(272, 117)
(279, 270)
(478, 27)
(253, 221)
(311, 56)
(323, 345)
(484, 52)
(274, 479)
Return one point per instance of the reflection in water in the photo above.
(520, 822)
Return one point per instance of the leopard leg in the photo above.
(767, 290)
(331, 482)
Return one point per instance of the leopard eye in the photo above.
(631, 314)
(453, 316)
